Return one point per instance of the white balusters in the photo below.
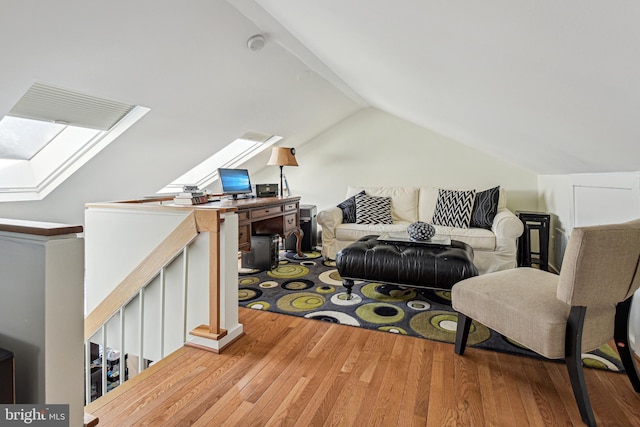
(102, 336)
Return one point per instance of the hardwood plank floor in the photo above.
(288, 371)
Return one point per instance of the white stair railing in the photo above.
(140, 317)
(101, 337)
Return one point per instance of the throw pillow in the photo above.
(485, 208)
(453, 208)
(349, 209)
(373, 210)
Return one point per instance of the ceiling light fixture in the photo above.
(256, 42)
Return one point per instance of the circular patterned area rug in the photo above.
(312, 288)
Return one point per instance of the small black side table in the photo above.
(534, 221)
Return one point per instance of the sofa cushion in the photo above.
(427, 203)
(478, 238)
(404, 200)
(373, 210)
(348, 208)
(485, 208)
(453, 208)
(502, 200)
(352, 232)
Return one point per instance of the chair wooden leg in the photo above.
(573, 359)
(462, 333)
(621, 337)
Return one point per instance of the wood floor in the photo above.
(289, 371)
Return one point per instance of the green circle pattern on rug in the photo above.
(312, 288)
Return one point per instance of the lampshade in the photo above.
(282, 156)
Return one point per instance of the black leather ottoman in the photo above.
(409, 264)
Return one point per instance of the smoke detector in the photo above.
(256, 42)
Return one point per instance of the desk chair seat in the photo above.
(563, 316)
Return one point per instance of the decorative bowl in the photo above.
(421, 231)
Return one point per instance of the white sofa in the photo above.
(494, 249)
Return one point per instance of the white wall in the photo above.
(372, 147)
(135, 233)
(586, 199)
(188, 63)
(590, 199)
(41, 317)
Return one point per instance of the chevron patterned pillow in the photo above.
(453, 208)
(373, 210)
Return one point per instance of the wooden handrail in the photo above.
(186, 231)
(38, 228)
(90, 420)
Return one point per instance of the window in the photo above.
(50, 133)
(22, 139)
(231, 156)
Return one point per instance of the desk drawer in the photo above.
(266, 212)
(291, 207)
(244, 235)
(290, 222)
(243, 216)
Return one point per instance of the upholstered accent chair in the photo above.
(561, 316)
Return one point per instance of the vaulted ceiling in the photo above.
(188, 62)
(549, 85)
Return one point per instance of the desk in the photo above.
(266, 215)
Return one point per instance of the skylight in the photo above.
(22, 138)
(50, 133)
(231, 156)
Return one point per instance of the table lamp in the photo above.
(282, 156)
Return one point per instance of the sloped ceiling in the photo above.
(186, 61)
(549, 85)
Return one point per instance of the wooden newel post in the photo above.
(208, 221)
(214, 281)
